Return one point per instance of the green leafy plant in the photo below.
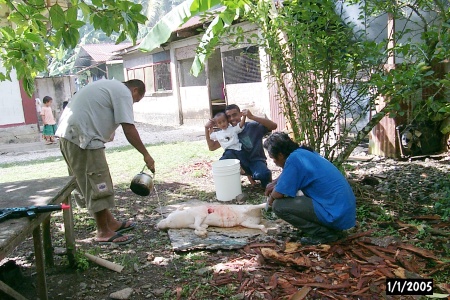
(328, 73)
(81, 261)
(38, 29)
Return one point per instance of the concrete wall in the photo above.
(160, 108)
(11, 101)
(18, 119)
(195, 105)
(157, 110)
(191, 105)
(253, 96)
(115, 71)
(19, 134)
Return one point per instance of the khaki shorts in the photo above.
(91, 171)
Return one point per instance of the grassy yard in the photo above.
(124, 163)
(411, 217)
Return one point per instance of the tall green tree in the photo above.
(328, 72)
(37, 29)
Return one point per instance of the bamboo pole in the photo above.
(105, 263)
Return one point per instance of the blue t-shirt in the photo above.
(333, 199)
(251, 140)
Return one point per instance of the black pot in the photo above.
(142, 184)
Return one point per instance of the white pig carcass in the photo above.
(218, 215)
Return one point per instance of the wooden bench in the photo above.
(14, 231)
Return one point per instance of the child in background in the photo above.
(49, 121)
(228, 139)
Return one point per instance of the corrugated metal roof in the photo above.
(191, 23)
(196, 21)
(96, 53)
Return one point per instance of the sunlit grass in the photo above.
(124, 162)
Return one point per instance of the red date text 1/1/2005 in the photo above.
(398, 286)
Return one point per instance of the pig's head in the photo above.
(162, 224)
(176, 219)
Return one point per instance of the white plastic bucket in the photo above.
(227, 179)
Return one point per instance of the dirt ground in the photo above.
(272, 266)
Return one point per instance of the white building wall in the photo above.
(253, 96)
(10, 101)
(155, 108)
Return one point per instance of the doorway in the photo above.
(217, 93)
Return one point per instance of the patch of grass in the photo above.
(81, 261)
(389, 231)
(159, 242)
(198, 173)
(33, 170)
(82, 220)
(442, 204)
(226, 291)
(363, 215)
(124, 163)
(385, 215)
(127, 260)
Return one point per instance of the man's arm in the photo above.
(270, 125)
(274, 195)
(270, 187)
(212, 145)
(134, 139)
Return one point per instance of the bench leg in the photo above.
(10, 292)
(47, 239)
(40, 266)
(68, 231)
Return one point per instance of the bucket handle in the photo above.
(148, 174)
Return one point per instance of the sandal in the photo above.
(110, 241)
(124, 227)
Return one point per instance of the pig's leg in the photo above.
(250, 224)
(199, 226)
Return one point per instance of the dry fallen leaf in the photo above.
(272, 254)
(400, 272)
(292, 247)
(301, 294)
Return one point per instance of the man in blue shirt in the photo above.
(251, 139)
(328, 205)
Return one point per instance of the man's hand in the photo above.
(247, 113)
(270, 125)
(150, 163)
(269, 188)
(111, 138)
(212, 145)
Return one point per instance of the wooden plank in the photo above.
(15, 231)
(47, 239)
(40, 266)
(69, 232)
(29, 193)
(9, 291)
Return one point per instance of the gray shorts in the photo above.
(91, 170)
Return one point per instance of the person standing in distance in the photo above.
(49, 121)
(87, 123)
